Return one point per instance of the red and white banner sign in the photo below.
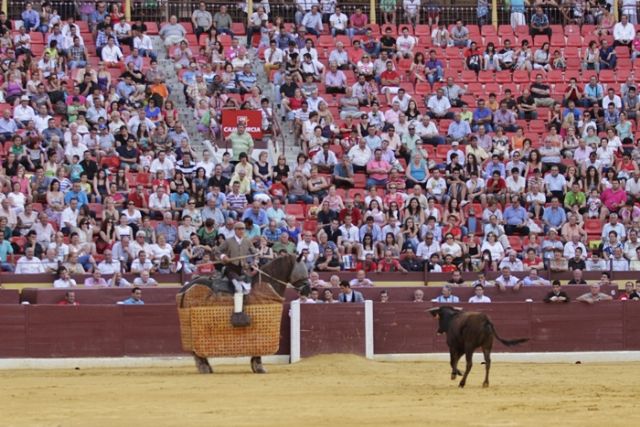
(251, 118)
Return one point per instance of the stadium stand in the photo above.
(422, 142)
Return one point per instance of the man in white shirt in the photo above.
(511, 262)
(161, 163)
(623, 33)
(134, 122)
(109, 266)
(29, 264)
(111, 54)
(65, 280)
(406, 43)
(439, 106)
(206, 163)
(516, 183)
(139, 245)
(75, 148)
(141, 263)
(312, 21)
(428, 247)
(69, 216)
(411, 9)
(42, 119)
(302, 7)
(506, 280)
(312, 248)
(273, 57)
(479, 296)
(571, 246)
(159, 202)
(350, 236)
(612, 98)
(360, 155)
(23, 112)
(143, 43)
(428, 131)
(338, 22)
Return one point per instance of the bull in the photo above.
(466, 331)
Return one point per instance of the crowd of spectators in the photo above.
(401, 166)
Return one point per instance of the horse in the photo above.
(268, 286)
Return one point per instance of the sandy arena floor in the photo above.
(324, 391)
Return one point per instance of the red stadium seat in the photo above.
(310, 225)
(359, 180)
(297, 210)
(468, 76)
(422, 30)
(571, 29)
(521, 76)
(515, 242)
(489, 30)
(486, 76)
(238, 28)
(505, 31)
(574, 40)
(593, 227)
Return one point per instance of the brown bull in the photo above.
(467, 331)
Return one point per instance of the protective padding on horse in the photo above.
(208, 332)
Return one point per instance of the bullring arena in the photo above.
(416, 160)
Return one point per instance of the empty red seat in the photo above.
(593, 227)
(297, 210)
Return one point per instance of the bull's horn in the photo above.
(432, 309)
(458, 308)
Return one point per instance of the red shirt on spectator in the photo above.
(389, 75)
(449, 268)
(390, 266)
(278, 189)
(356, 215)
(495, 186)
(366, 266)
(359, 20)
(112, 162)
(137, 199)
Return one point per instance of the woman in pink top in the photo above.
(334, 200)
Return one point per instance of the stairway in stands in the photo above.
(177, 97)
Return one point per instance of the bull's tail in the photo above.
(508, 343)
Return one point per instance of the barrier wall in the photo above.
(167, 295)
(402, 327)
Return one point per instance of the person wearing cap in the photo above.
(459, 155)
(235, 254)
(23, 113)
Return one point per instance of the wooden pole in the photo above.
(372, 11)
(494, 13)
(249, 11)
(127, 10)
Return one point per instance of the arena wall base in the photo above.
(551, 357)
(129, 362)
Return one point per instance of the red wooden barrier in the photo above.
(331, 328)
(9, 296)
(116, 330)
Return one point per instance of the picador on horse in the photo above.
(239, 266)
